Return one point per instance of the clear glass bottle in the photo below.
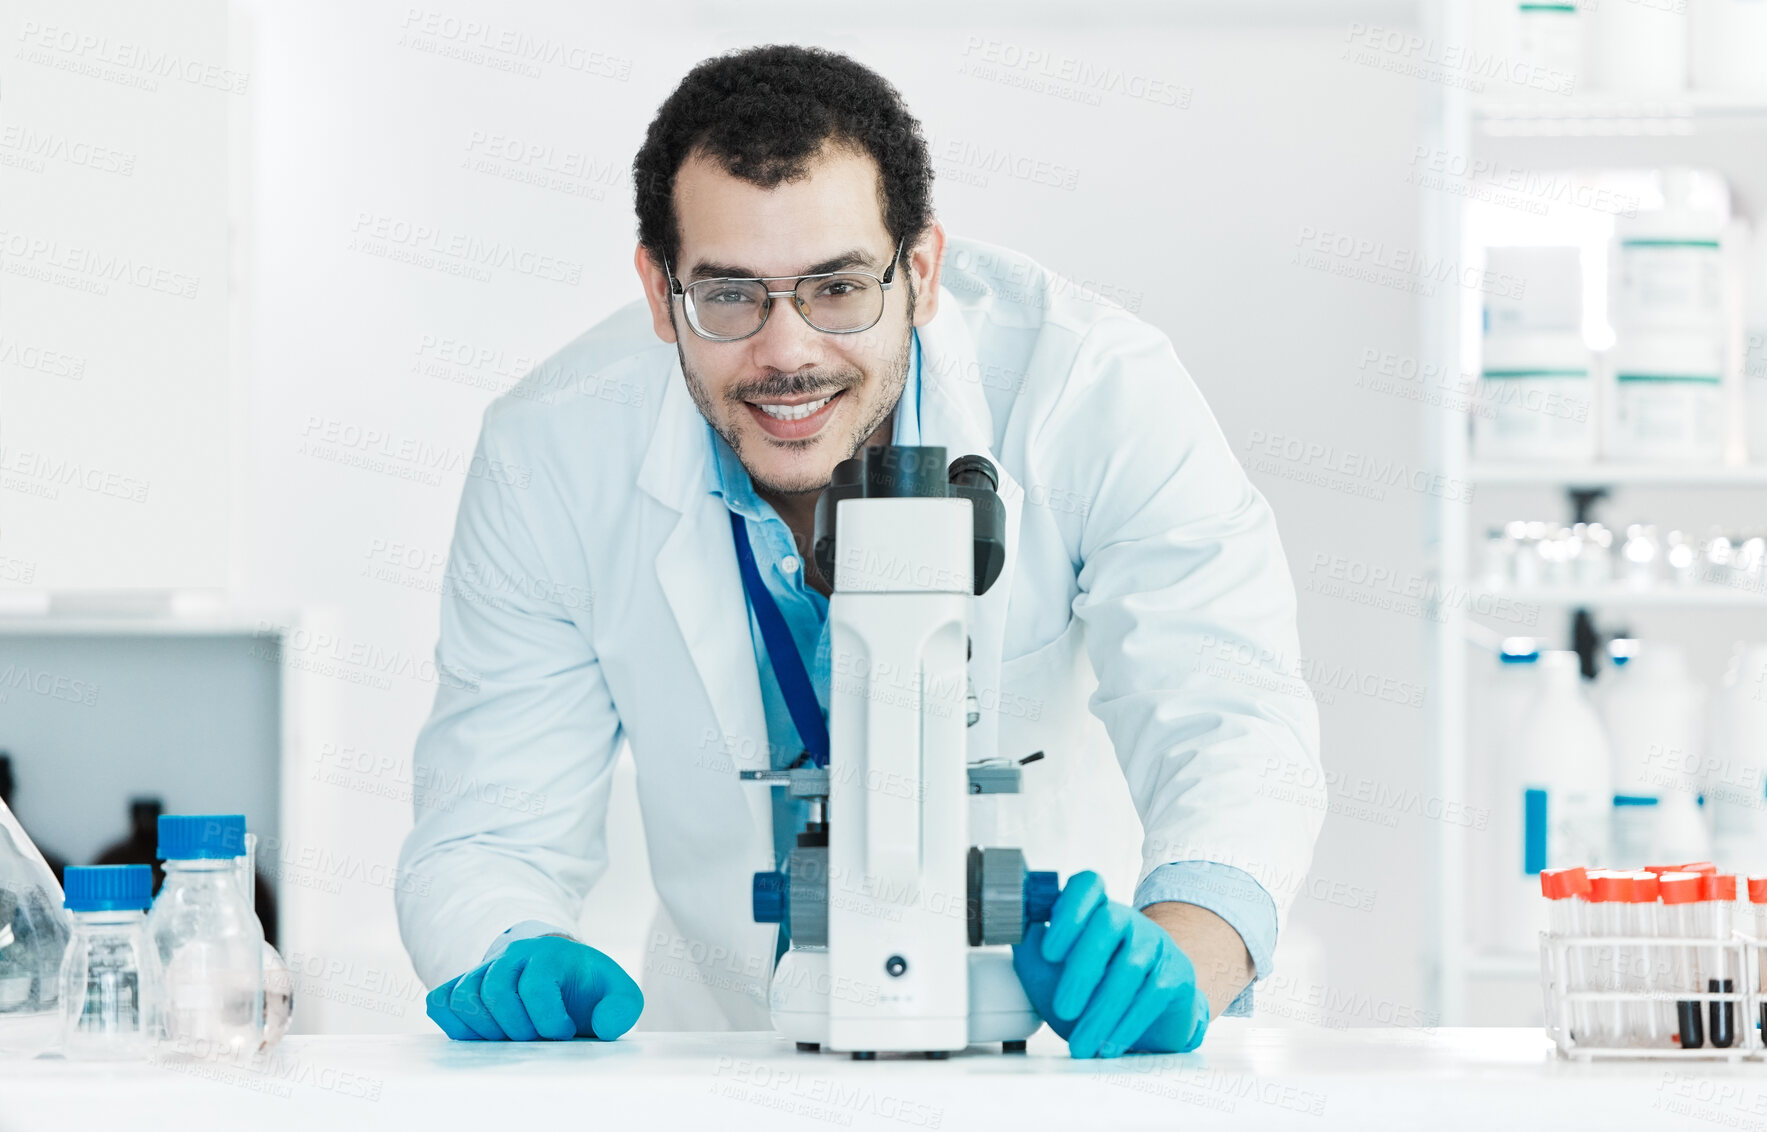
(110, 975)
(278, 1005)
(208, 938)
(33, 936)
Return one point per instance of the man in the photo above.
(800, 303)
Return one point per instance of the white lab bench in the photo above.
(1247, 1076)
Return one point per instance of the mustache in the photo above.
(793, 385)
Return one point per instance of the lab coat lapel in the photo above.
(954, 413)
(697, 571)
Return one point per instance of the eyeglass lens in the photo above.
(833, 303)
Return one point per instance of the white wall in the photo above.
(367, 374)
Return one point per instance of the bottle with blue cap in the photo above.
(110, 974)
(208, 938)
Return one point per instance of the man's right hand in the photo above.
(549, 987)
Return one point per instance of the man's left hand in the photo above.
(1108, 979)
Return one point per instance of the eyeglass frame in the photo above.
(884, 284)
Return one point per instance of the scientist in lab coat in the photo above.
(800, 301)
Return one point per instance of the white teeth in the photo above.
(793, 412)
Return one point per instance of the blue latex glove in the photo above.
(1108, 979)
(549, 987)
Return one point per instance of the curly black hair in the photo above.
(764, 112)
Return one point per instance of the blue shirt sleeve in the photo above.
(1231, 894)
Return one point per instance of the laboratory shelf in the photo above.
(1512, 133)
(61, 626)
(1613, 116)
(1624, 597)
(1605, 475)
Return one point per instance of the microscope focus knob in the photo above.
(769, 898)
(1004, 896)
(1041, 889)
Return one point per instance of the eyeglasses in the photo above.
(834, 302)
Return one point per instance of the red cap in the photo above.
(1664, 869)
(1704, 868)
(1644, 888)
(1758, 890)
(1562, 884)
(1606, 886)
(1679, 888)
(1718, 886)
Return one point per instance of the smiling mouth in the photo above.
(794, 419)
(784, 412)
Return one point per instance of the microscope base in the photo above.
(998, 1008)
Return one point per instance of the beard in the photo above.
(871, 416)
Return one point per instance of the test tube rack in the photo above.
(1744, 953)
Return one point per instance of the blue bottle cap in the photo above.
(107, 888)
(197, 837)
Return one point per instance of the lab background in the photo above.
(363, 221)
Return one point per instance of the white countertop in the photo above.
(1246, 1076)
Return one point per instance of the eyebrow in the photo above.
(852, 257)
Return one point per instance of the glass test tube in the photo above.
(1610, 896)
(1567, 890)
(1758, 901)
(1679, 916)
(1718, 967)
(1644, 1023)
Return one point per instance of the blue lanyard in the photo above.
(788, 666)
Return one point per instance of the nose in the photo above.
(786, 342)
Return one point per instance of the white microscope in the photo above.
(897, 922)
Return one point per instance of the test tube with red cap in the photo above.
(1758, 904)
(1678, 916)
(1717, 967)
(1610, 896)
(1567, 893)
(1644, 1021)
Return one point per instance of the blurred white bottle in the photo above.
(1567, 773)
(1734, 782)
(1727, 42)
(1669, 306)
(1634, 47)
(1506, 893)
(1655, 712)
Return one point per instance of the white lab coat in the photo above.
(594, 597)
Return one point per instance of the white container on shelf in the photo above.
(1551, 292)
(1754, 359)
(1667, 264)
(1736, 769)
(1727, 46)
(1566, 773)
(1655, 715)
(1506, 893)
(1634, 47)
(1536, 399)
(1549, 35)
(1668, 397)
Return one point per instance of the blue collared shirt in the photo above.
(1226, 891)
